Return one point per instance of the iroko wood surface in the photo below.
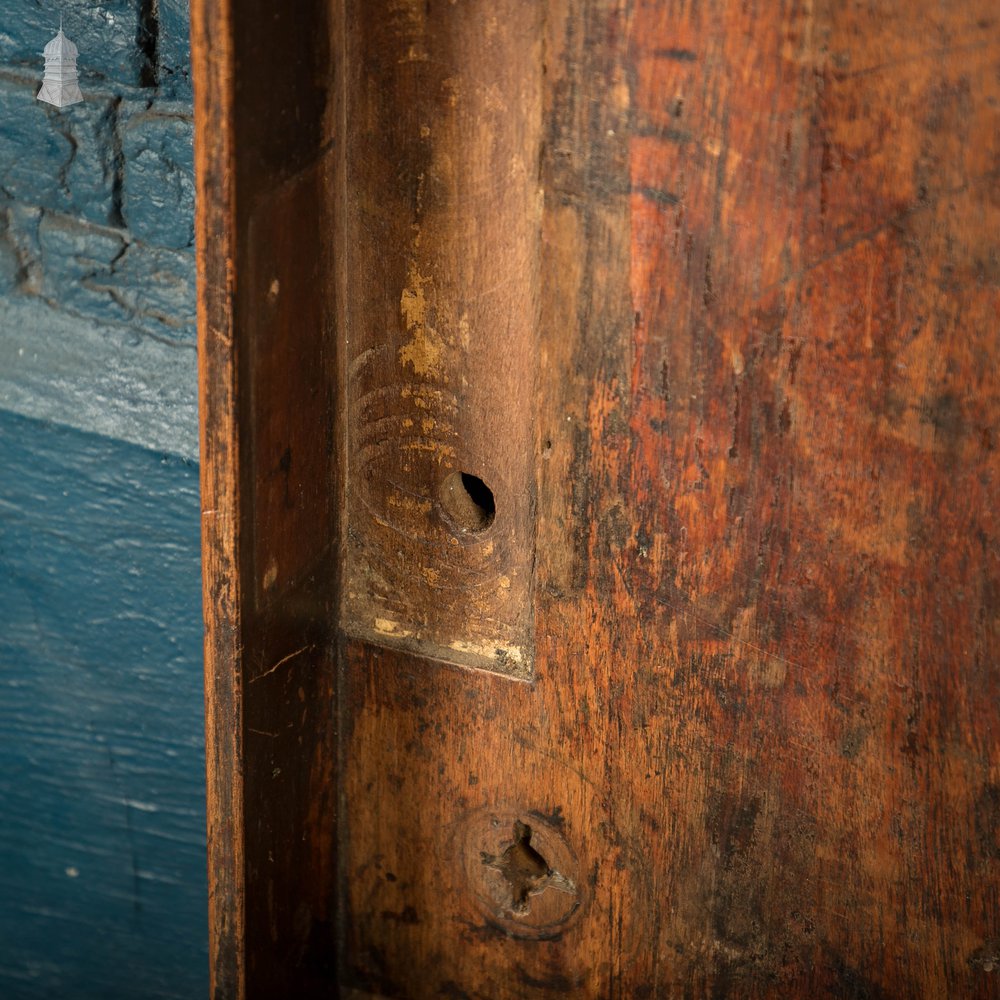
(440, 211)
(262, 73)
(760, 746)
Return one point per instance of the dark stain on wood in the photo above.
(759, 482)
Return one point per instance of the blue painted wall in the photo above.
(102, 843)
(97, 285)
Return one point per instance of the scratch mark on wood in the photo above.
(281, 662)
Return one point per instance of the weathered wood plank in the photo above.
(757, 754)
(220, 443)
(268, 491)
(441, 214)
(766, 678)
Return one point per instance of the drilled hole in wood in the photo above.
(467, 502)
(525, 872)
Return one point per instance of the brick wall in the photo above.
(96, 221)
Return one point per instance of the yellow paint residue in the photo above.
(442, 451)
(413, 302)
(489, 650)
(388, 627)
(424, 350)
(426, 397)
(408, 503)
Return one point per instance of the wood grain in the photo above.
(211, 68)
(759, 744)
(766, 628)
(268, 492)
(441, 215)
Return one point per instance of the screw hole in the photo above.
(525, 871)
(467, 501)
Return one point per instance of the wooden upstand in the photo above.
(600, 475)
